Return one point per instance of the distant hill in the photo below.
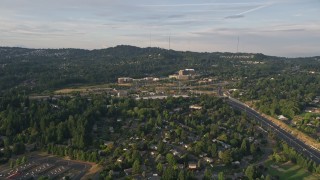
(46, 69)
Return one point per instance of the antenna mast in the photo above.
(150, 39)
(169, 42)
(238, 45)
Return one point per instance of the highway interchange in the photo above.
(291, 140)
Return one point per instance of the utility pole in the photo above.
(238, 45)
(169, 42)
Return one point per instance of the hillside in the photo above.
(47, 69)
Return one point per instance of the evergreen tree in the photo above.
(159, 168)
(169, 173)
(243, 146)
(221, 176)
(207, 174)
(181, 175)
(136, 168)
(253, 149)
(268, 177)
(250, 172)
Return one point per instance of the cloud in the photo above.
(291, 30)
(234, 16)
(311, 27)
(298, 15)
(176, 16)
(199, 4)
(14, 27)
(195, 24)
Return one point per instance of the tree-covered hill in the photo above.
(46, 69)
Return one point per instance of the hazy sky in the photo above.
(274, 27)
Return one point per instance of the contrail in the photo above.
(239, 15)
(254, 9)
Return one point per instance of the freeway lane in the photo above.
(292, 141)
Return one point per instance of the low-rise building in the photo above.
(108, 143)
(184, 77)
(123, 80)
(196, 107)
(128, 171)
(282, 118)
(187, 72)
(174, 76)
(236, 163)
(175, 152)
(154, 147)
(120, 159)
(122, 93)
(192, 166)
(208, 160)
(148, 78)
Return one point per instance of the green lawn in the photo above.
(289, 171)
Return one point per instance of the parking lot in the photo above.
(47, 166)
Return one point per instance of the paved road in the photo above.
(292, 141)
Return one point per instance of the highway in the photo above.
(291, 140)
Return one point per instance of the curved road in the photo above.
(292, 141)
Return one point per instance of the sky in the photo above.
(287, 28)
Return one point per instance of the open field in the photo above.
(83, 89)
(53, 167)
(289, 171)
